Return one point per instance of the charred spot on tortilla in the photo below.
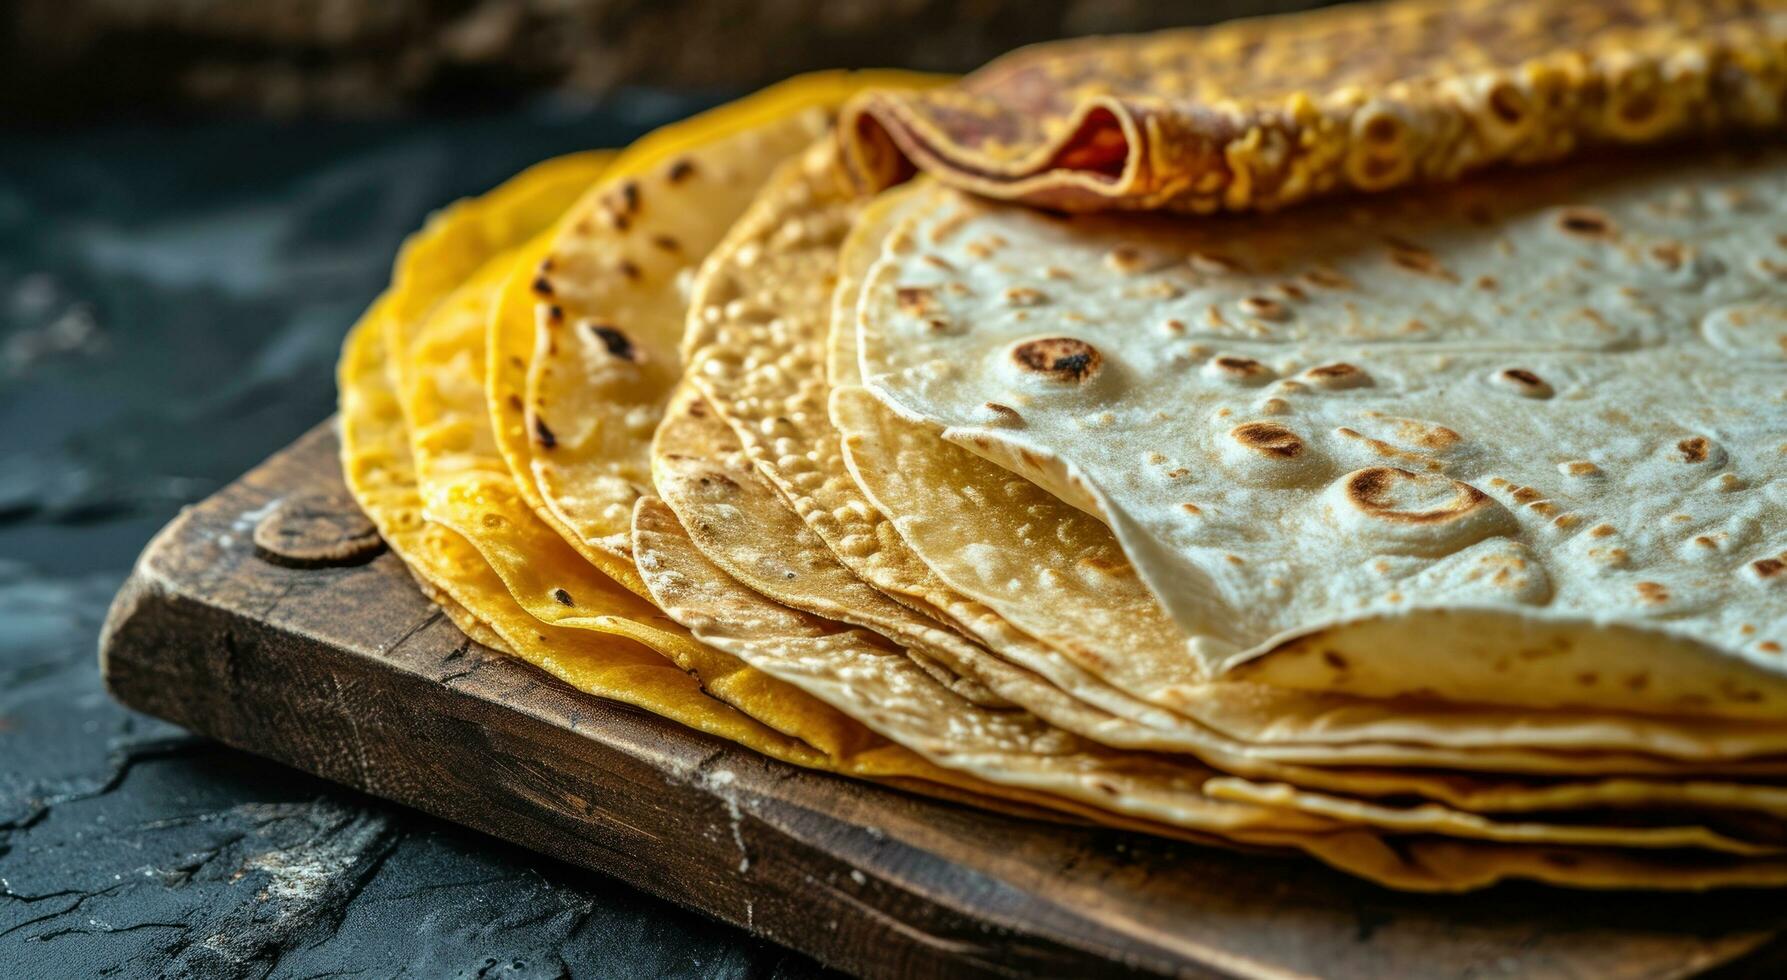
(1337, 376)
(1586, 222)
(1373, 491)
(1269, 438)
(1522, 382)
(1263, 308)
(616, 342)
(915, 300)
(1238, 370)
(1062, 359)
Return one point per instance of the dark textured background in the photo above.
(171, 301)
(72, 57)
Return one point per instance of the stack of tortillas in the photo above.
(1395, 490)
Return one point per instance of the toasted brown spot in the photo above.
(1337, 376)
(1191, 508)
(679, 171)
(1059, 358)
(666, 243)
(542, 286)
(1769, 646)
(1212, 262)
(1587, 222)
(1669, 255)
(1024, 296)
(628, 268)
(543, 435)
(1269, 438)
(1369, 490)
(617, 342)
(1382, 129)
(1694, 449)
(1652, 593)
(1327, 277)
(1507, 103)
(1523, 382)
(1427, 434)
(1334, 660)
(915, 300)
(1124, 259)
(1381, 447)
(1239, 368)
(1264, 307)
(563, 597)
(1768, 568)
(1003, 411)
(1417, 259)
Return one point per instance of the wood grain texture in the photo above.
(348, 672)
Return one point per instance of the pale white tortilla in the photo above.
(1596, 529)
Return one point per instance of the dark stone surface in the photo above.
(171, 301)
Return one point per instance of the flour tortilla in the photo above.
(742, 525)
(735, 518)
(1255, 114)
(756, 350)
(858, 672)
(1440, 436)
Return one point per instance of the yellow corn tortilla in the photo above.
(584, 338)
(1260, 113)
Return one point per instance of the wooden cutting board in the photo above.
(268, 617)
